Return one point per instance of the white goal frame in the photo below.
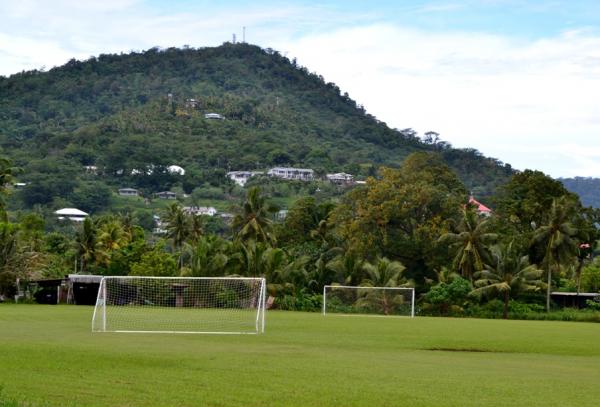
(358, 287)
(99, 317)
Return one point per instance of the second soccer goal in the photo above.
(343, 299)
(180, 305)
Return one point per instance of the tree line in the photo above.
(410, 226)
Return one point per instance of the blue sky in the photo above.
(518, 80)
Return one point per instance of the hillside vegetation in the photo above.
(588, 189)
(134, 111)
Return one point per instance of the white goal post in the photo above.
(365, 300)
(210, 305)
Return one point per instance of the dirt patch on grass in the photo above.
(474, 350)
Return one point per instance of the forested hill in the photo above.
(147, 110)
(588, 189)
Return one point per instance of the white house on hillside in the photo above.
(281, 215)
(200, 210)
(175, 169)
(214, 116)
(91, 169)
(303, 174)
(128, 192)
(166, 195)
(341, 178)
(73, 214)
(192, 103)
(241, 177)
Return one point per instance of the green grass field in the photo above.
(48, 356)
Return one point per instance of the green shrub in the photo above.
(155, 263)
(590, 278)
(593, 305)
(207, 192)
(301, 302)
(566, 314)
(447, 298)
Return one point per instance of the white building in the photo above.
(200, 210)
(138, 171)
(214, 116)
(303, 174)
(159, 226)
(241, 177)
(340, 178)
(166, 195)
(193, 103)
(175, 169)
(128, 192)
(73, 214)
(281, 215)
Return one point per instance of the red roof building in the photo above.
(481, 208)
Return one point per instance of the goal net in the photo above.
(343, 299)
(180, 305)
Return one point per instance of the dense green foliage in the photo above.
(407, 227)
(76, 133)
(50, 358)
(131, 116)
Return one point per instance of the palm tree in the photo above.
(383, 273)
(470, 243)
(253, 220)
(127, 222)
(85, 242)
(196, 228)
(259, 259)
(321, 217)
(347, 268)
(210, 256)
(7, 172)
(8, 245)
(557, 238)
(445, 275)
(323, 273)
(288, 276)
(511, 274)
(110, 236)
(177, 228)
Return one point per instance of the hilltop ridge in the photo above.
(129, 112)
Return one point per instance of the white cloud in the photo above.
(477, 90)
(35, 33)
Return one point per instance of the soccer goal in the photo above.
(352, 300)
(215, 305)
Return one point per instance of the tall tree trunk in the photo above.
(386, 307)
(506, 300)
(549, 288)
(578, 278)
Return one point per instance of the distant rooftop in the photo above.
(71, 212)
